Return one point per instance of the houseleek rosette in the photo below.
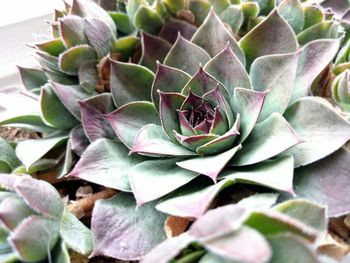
(203, 123)
(36, 225)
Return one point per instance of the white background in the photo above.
(20, 22)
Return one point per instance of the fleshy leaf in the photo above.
(95, 123)
(141, 113)
(200, 10)
(248, 104)
(32, 78)
(106, 162)
(73, 58)
(327, 29)
(122, 21)
(32, 150)
(272, 36)
(130, 82)
(122, 232)
(147, 20)
(70, 96)
(53, 111)
(125, 47)
(210, 166)
(314, 58)
(12, 211)
(28, 115)
(259, 201)
(168, 79)
(326, 182)
(310, 214)
(322, 129)
(233, 16)
(268, 139)
(8, 155)
(312, 15)
(226, 68)
(186, 56)
(287, 246)
(151, 180)
(168, 105)
(192, 200)
(53, 47)
(72, 31)
(88, 8)
(173, 27)
(167, 250)
(292, 11)
(99, 35)
(238, 246)
(75, 234)
(212, 26)
(276, 174)
(275, 74)
(78, 140)
(153, 49)
(25, 238)
(273, 223)
(151, 140)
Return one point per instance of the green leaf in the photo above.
(233, 16)
(71, 60)
(200, 10)
(73, 31)
(292, 11)
(226, 68)
(265, 6)
(306, 212)
(53, 111)
(220, 5)
(73, 232)
(265, 174)
(213, 26)
(313, 15)
(313, 59)
(88, 77)
(141, 113)
(26, 241)
(60, 253)
(322, 129)
(248, 104)
(287, 247)
(152, 141)
(274, 74)
(175, 5)
(122, 21)
(32, 78)
(125, 46)
(154, 50)
(326, 182)
(259, 201)
(268, 139)
(210, 166)
(130, 82)
(70, 96)
(100, 36)
(272, 36)
(106, 162)
(32, 150)
(123, 232)
(168, 79)
(186, 56)
(169, 104)
(151, 180)
(148, 20)
(132, 6)
(8, 155)
(327, 29)
(53, 47)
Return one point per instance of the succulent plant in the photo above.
(341, 91)
(249, 231)
(181, 117)
(35, 224)
(188, 126)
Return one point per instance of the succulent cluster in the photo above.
(228, 234)
(36, 225)
(171, 103)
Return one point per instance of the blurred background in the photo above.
(22, 22)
